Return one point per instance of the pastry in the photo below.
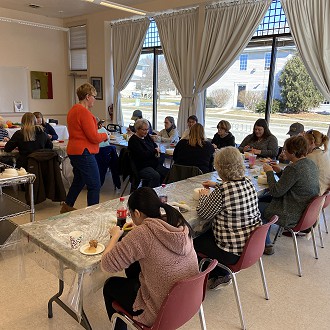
(92, 246)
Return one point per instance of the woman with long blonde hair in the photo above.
(196, 151)
(29, 138)
(321, 158)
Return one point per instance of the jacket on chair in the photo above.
(48, 184)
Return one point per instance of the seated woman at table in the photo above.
(195, 151)
(145, 153)
(232, 209)
(169, 134)
(29, 138)
(192, 120)
(223, 138)
(4, 136)
(321, 158)
(156, 253)
(297, 185)
(261, 142)
(106, 158)
(48, 129)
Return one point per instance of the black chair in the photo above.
(128, 170)
(113, 128)
(181, 172)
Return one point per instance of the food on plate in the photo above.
(113, 137)
(92, 246)
(265, 160)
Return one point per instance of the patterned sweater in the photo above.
(233, 209)
(166, 255)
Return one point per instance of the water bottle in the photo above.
(162, 195)
(121, 212)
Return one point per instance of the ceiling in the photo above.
(63, 8)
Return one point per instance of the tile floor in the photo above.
(295, 302)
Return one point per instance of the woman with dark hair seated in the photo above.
(48, 129)
(161, 245)
(195, 151)
(297, 185)
(261, 142)
(232, 208)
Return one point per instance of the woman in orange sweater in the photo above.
(83, 144)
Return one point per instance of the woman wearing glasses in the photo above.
(83, 144)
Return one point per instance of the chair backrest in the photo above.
(311, 214)
(327, 199)
(183, 301)
(181, 172)
(127, 167)
(114, 128)
(254, 247)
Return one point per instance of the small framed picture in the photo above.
(97, 83)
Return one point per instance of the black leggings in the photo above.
(205, 244)
(124, 291)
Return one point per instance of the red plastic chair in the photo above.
(325, 205)
(252, 252)
(180, 305)
(307, 221)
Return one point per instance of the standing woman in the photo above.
(160, 252)
(261, 142)
(48, 129)
(195, 151)
(321, 158)
(223, 138)
(83, 144)
(169, 133)
(29, 138)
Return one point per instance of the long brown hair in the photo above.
(29, 122)
(196, 135)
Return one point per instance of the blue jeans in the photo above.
(262, 206)
(85, 172)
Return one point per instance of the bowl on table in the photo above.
(169, 151)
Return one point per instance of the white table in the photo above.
(61, 131)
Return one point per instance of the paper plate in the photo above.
(84, 249)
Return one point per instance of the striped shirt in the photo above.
(233, 208)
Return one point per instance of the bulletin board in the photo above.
(14, 89)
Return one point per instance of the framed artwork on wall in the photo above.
(97, 83)
(41, 85)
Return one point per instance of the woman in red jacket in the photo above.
(83, 144)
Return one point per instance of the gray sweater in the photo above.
(298, 184)
(268, 146)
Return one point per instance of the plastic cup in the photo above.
(75, 239)
(252, 160)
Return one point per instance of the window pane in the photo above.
(138, 93)
(78, 48)
(243, 62)
(168, 101)
(78, 59)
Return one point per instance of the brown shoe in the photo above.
(66, 208)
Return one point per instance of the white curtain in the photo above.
(127, 42)
(177, 32)
(228, 28)
(309, 21)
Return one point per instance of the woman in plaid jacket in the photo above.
(232, 208)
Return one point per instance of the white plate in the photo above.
(56, 141)
(100, 248)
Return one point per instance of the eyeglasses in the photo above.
(93, 95)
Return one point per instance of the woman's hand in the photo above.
(247, 148)
(5, 139)
(116, 232)
(208, 184)
(275, 167)
(215, 146)
(267, 168)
